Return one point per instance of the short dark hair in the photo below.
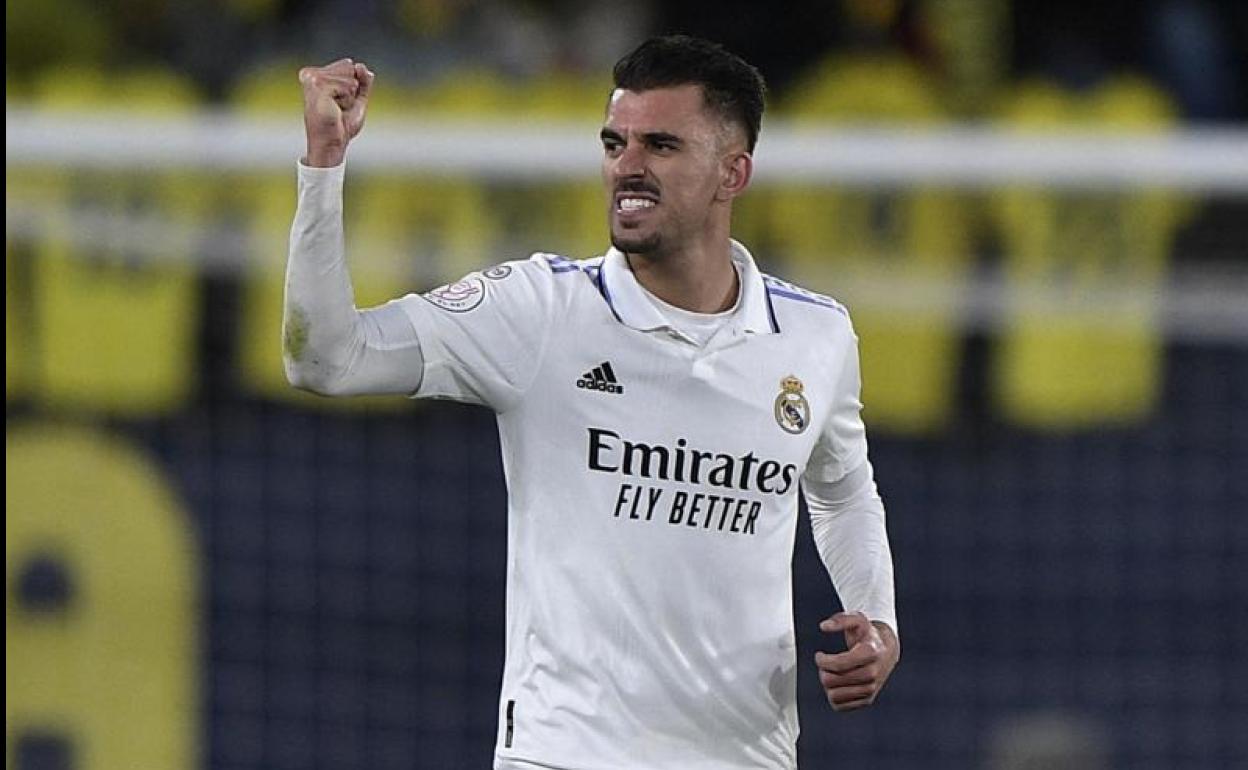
(730, 85)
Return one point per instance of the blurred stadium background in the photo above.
(1037, 211)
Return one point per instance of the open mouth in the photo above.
(635, 202)
(629, 205)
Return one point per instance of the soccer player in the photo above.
(659, 408)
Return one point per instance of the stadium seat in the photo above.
(1100, 363)
(117, 329)
(572, 219)
(18, 337)
(17, 347)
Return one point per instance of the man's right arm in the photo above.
(328, 345)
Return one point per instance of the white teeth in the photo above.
(632, 204)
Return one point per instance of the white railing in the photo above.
(1211, 160)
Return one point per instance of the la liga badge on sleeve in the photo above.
(458, 297)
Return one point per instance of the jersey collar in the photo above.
(629, 302)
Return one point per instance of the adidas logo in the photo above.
(601, 377)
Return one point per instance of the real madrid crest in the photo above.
(792, 409)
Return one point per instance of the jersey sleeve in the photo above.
(330, 346)
(483, 338)
(842, 443)
(847, 521)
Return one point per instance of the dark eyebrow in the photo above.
(662, 137)
(653, 137)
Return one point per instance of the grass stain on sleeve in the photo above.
(295, 333)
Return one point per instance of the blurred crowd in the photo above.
(970, 52)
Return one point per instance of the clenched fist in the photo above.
(334, 100)
(853, 679)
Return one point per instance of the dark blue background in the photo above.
(355, 584)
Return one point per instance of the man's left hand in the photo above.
(853, 679)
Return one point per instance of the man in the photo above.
(658, 407)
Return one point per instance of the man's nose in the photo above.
(631, 161)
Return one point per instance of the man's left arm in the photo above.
(848, 522)
(847, 519)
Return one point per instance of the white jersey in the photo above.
(652, 507)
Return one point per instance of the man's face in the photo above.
(663, 164)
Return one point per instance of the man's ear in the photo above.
(738, 169)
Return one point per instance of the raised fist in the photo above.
(334, 100)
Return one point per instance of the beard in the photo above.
(629, 243)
